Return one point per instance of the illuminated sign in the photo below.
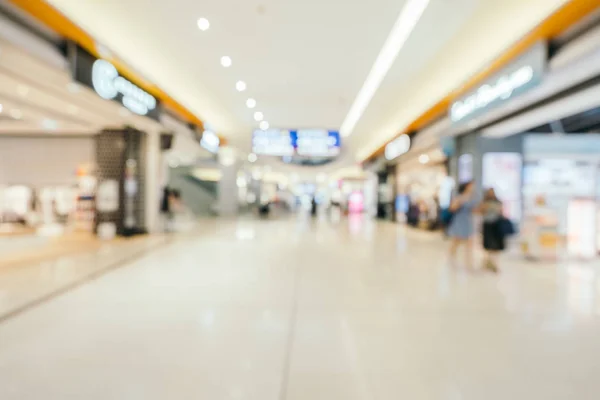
(316, 142)
(272, 142)
(523, 74)
(303, 142)
(109, 85)
(397, 147)
(104, 78)
(210, 141)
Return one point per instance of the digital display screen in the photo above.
(302, 142)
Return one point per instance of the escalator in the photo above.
(199, 196)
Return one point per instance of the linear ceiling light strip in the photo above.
(566, 16)
(407, 20)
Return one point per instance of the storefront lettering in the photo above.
(501, 89)
(109, 84)
(397, 147)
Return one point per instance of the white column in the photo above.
(228, 190)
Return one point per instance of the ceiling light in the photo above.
(1, 107)
(250, 103)
(423, 158)
(203, 24)
(264, 125)
(258, 116)
(408, 18)
(226, 61)
(252, 157)
(240, 86)
(16, 113)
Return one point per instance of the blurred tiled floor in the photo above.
(300, 310)
(29, 276)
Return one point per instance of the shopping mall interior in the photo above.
(294, 200)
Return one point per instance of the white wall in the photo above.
(43, 161)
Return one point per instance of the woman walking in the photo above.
(493, 236)
(461, 228)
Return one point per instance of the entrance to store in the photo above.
(47, 185)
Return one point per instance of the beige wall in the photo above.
(41, 161)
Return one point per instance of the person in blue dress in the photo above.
(461, 228)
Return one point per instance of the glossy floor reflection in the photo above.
(273, 310)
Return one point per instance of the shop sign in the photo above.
(104, 78)
(210, 141)
(523, 74)
(109, 85)
(397, 147)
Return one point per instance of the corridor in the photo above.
(309, 310)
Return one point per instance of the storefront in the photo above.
(536, 146)
(58, 170)
(46, 184)
(382, 188)
(421, 176)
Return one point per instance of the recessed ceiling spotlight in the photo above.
(264, 125)
(203, 24)
(23, 90)
(240, 86)
(1, 107)
(250, 103)
(423, 158)
(16, 113)
(226, 61)
(252, 157)
(258, 116)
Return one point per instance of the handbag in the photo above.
(446, 216)
(506, 227)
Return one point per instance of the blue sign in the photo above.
(302, 142)
(316, 142)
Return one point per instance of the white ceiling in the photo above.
(304, 61)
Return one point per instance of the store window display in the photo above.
(421, 189)
(48, 210)
(15, 208)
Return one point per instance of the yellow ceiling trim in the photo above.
(55, 20)
(565, 17)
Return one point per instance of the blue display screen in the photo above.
(316, 142)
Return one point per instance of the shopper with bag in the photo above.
(495, 229)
